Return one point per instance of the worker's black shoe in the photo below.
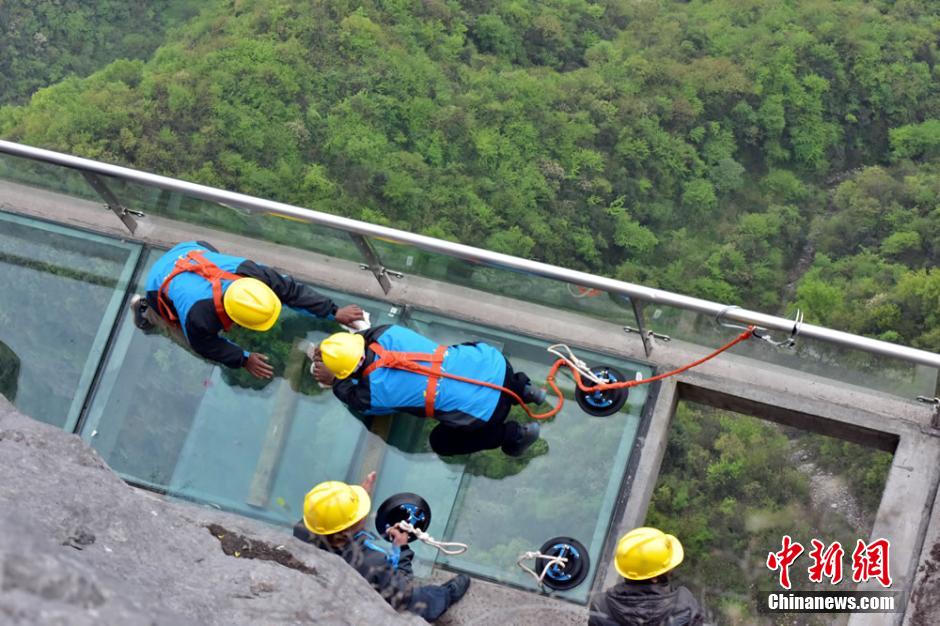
(533, 395)
(138, 307)
(528, 435)
(457, 586)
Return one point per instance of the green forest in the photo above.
(772, 154)
(732, 485)
(44, 41)
(776, 154)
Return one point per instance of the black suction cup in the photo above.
(602, 403)
(403, 507)
(572, 573)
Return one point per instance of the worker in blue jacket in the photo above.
(195, 292)
(472, 417)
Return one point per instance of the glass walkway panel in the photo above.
(61, 293)
(168, 420)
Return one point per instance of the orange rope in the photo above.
(417, 368)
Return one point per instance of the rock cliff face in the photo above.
(925, 601)
(79, 546)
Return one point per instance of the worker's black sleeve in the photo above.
(202, 330)
(599, 614)
(294, 294)
(301, 532)
(355, 394)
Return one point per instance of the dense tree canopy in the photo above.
(733, 485)
(684, 145)
(768, 153)
(43, 41)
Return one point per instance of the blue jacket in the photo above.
(191, 297)
(387, 391)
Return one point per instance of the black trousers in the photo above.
(429, 601)
(449, 440)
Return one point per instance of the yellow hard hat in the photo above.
(334, 506)
(252, 304)
(645, 553)
(341, 353)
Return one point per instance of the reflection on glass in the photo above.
(731, 486)
(168, 419)
(9, 372)
(262, 226)
(505, 282)
(565, 485)
(62, 291)
(45, 176)
(809, 358)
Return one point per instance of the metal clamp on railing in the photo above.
(451, 548)
(760, 333)
(649, 333)
(383, 270)
(790, 341)
(935, 401)
(112, 202)
(720, 318)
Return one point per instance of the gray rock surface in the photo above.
(79, 546)
(924, 609)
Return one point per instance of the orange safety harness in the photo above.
(409, 361)
(198, 264)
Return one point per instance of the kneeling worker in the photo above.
(195, 292)
(334, 518)
(644, 558)
(472, 417)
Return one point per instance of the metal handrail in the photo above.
(476, 255)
